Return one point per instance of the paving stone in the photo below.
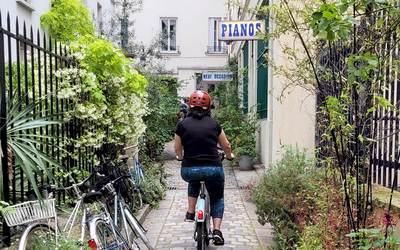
(239, 226)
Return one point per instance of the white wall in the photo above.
(192, 35)
(30, 13)
(290, 121)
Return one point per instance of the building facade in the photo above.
(188, 30)
(29, 12)
(284, 121)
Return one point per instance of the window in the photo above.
(99, 10)
(99, 18)
(262, 77)
(214, 45)
(168, 29)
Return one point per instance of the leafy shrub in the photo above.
(63, 243)
(283, 196)
(61, 21)
(163, 102)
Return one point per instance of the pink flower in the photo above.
(388, 219)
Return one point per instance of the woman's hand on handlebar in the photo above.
(231, 158)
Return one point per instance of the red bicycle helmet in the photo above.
(200, 99)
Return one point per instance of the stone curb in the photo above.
(143, 212)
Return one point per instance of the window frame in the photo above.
(262, 74)
(169, 50)
(215, 46)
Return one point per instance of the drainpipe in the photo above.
(273, 135)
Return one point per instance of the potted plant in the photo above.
(245, 144)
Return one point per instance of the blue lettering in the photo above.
(243, 30)
(236, 31)
(224, 28)
(251, 29)
(258, 27)
(230, 32)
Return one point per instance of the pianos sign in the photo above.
(216, 76)
(240, 30)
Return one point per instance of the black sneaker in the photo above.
(218, 239)
(189, 217)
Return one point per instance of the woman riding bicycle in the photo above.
(198, 135)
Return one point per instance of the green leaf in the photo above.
(352, 20)
(327, 15)
(380, 22)
(335, 26)
(378, 243)
(331, 36)
(344, 7)
(352, 235)
(367, 247)
(323, 24)
(316, 15)
(351, 78)
(343, 33)
(373, 62)
(360, 138)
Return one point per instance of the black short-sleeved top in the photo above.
(199, 139)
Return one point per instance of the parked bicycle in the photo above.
(35, 217)
(105, 229)
(128, 187)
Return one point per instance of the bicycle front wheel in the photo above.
(138, 229)
(39, 236)
(201, 237)
(106, 237)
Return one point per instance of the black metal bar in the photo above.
(40, 92)
(52, 100)
(26, 81)
(3, 121)
(10, 80)
(46, 105)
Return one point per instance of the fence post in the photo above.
(3, 133)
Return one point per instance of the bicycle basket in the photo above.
(29, 211)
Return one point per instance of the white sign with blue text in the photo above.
(216, 76)
(240, 30)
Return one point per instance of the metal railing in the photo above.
(170, 49)
(217, 49)
(27, 70)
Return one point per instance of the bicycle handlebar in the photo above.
(95, 172)
(220, 154)
(113, 181)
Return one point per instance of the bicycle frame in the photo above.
(203, 214)
(74, 214)
(128, 219)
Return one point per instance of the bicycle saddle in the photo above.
(92, 197)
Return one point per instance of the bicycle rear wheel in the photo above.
(201, 238)
(106, 237)
(132, 196)
(138, 229)
(39, 236)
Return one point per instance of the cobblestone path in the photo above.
(241, 230)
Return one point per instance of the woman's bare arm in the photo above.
(178, 147)
(225, 145)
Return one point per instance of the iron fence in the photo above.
(28, 64)
(383, 124)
